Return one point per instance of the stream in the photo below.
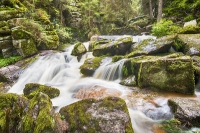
(61, 70)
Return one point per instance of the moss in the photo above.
(190, 30)
(125, 71)
(18, 33)
(171, 126)
(117, 58)
(7, 61)
(9, 14)
(28, 47)
(32, 89)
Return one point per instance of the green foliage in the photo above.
(190, 29)
(164, 27)
(8, 61)
(64, 34)
(125, 71)
(171, 126)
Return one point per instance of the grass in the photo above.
(8, 61)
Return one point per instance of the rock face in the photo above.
(32, 89)
(109, 115)
(186, 110)
(118, 47)
(90, 65)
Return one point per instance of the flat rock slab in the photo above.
(186, 110)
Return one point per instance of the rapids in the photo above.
(61, 70)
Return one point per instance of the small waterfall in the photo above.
(110, 71)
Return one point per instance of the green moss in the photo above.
(125, 71)
(190, 30)
(28, 47)
(8, 61)
(33, 89)
(117, 58)
(171, 126)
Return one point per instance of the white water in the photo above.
(61, 70)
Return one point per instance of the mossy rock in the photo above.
(12, 108)
(12, 3)
(5, 30)
(191, 43)
(190, 30)
(79, 49)
(106, 115)
(25, 47)
(48, 41)
(32, 89)
(19, 33)
(118, 47)
(129, 81)
(10, 13)
(167, 74)
(186, 110)
(6, 44)
(90, 66)
(39, 117)
(42, 16)
(151, 46)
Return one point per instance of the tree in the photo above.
(160, 7)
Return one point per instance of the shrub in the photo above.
(164, 27)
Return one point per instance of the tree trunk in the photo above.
(150, 10)
(160, 4)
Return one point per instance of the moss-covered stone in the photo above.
(20, 33)
(190, 29)
(151, 46)
(118, 47)
(32, 89)
(191, 43)
(107, 115)
(10, 13)
(4, 28)
(169, 74)
(187, 111)
(25, 47)
(39, 116)
(130, 81)
(12, 109)
(79, 49)
(90, 66)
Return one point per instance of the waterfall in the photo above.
(110, 71)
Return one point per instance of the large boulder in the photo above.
(152, 46)
(186, 110)
(90, 66)
(174, 74)
(12, 109)
(39, 116)
(108, 115)
(118, 47)
(32, 89)
(190, 43)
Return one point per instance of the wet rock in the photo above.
(118, 47)
(96, 92)
(9, 73)
(186, 110)
(152, 46)
(174, 74)
(12, 109)
(79, 49)
(129, 81)
(39, 116)
(32, 89)
(109, 115)
(90, 66)
(191, 43)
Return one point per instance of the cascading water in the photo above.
(61, 70)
